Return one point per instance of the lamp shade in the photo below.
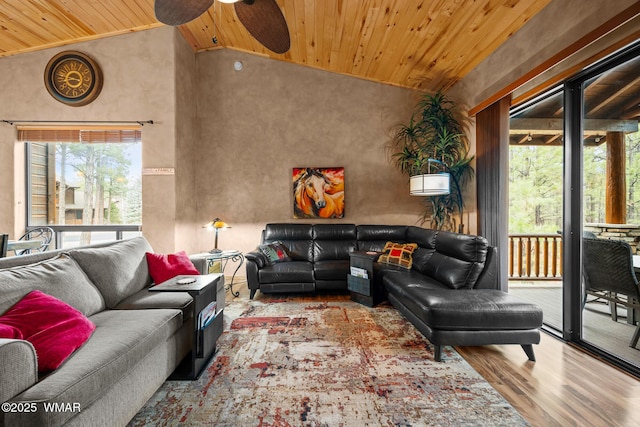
(429, 184)
(216, 223)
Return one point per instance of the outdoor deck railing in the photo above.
(103, 232)
(535, 256)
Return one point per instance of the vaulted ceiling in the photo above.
(423, 44)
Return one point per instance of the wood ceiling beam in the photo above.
(553, 139)
(543, 125)
(630, 86)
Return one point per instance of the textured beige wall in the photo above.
(186, 135)
(139, 85)
(557, 26)
(259, 123)
(232, 137)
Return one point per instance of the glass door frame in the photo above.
(573, 206)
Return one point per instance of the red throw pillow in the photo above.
(165, 267)
(11, 332)
(53, 327)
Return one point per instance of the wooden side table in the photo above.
(204, 290)
(361, 284)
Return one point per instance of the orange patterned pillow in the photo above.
(398, 254)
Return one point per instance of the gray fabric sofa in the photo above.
(140, 336)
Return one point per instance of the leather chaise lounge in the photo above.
(449, 294)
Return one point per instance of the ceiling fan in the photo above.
(262, 18)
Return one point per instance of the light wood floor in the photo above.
(564, 387)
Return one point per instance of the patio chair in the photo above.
(4, 239)
(44, 234)
(607, 267)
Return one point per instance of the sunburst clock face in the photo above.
(73, 78)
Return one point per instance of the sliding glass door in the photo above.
(535, 204)
(610, 104)
(574, 207)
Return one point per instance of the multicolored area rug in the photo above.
(327, 364)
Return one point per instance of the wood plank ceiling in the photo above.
(426, 45)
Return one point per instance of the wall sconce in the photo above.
(216, 225)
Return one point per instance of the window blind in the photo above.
(77, 134)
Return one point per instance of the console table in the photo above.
(204, 290)
(223, 257)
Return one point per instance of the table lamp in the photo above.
(216, 224)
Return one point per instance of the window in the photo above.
(83, 177)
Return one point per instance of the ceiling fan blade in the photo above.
(265, 22)
(178, 12)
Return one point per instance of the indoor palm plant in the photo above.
(436, 135)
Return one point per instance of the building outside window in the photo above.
(83, 178)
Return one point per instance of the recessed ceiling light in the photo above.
(238, 65)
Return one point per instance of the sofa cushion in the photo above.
(426, 240)
(331, 270)
(275, 252)
(122, 340)
(60, 277)
(144, 299)
(300, 250)
(333, 241)
(458, 261)
(298, 238)
(288, 231)
(333, 250)
(163, 267)
(53, 327)
(399, 254)
(424, 237)
(397, 279)
(472, 309)
(334, 232)
(287, 272)
(374, 237)
(118, 270)
(421, 258)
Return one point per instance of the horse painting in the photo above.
(318, 192)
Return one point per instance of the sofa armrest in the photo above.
(257, 257)
(19, 367)
(255, 260)
(200, 262)
(489, 277)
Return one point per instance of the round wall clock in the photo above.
(73, 78)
